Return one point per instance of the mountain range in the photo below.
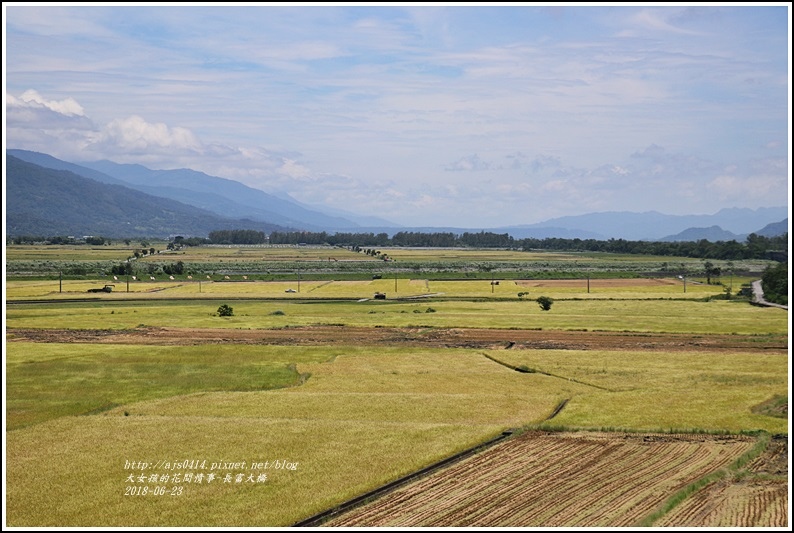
(49, 196)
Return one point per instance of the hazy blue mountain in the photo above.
(47, 202)
(219, 195)
(227, 198)
(774, 229)
(361, 221)
(716, 233)
(653, 225)
(47, 161)
(712, 234)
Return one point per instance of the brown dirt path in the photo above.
(428, 337)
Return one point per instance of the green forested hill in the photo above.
(43, 201)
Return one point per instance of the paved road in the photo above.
(758, 296)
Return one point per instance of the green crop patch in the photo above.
(47, 381)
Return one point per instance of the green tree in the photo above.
(225, 310)
(711, 271)
(545, 302)
(774, 282)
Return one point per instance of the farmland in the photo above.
(120, 405)
(568, 479)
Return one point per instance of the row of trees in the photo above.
(755, 247)
(237, 236)
(127, 269)
(60, 239)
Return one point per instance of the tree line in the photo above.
(754, 247)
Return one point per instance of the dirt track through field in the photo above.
(428, 337)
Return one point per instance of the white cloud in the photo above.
(31, 98)
(133, 135)
(294, 169)
(373, 108)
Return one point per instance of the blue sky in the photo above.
(423, 114)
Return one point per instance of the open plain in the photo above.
(147, 408)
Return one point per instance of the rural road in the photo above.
(758, 296)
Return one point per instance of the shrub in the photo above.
(225, 310)
(544, 302)
(774, 283)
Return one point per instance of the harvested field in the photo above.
(733, 504)
(429, 337)
(544, 479)
(759, 498)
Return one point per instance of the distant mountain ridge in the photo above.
(712, 234)
(652, 225)
(222, 196)
(219, 199)
(50, 202)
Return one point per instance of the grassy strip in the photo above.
(562, 428)
(692, 488)
(776, 406)
(524, 369)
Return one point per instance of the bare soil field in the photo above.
(759, 500)
(584, 479)
(428, 337)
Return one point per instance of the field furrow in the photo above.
(737, 504)
(554, 480)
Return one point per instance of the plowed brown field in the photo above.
(428, 337)
(754, 502)
(565, 480)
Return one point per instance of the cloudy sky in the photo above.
(436, 115)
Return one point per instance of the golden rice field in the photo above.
(245, 253)
(238, 428)
(359, 421)
(207, 286)
(713, 317)
(652, 391)
(365, 416)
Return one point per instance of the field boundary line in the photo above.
(525, 370)
(318, 519)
